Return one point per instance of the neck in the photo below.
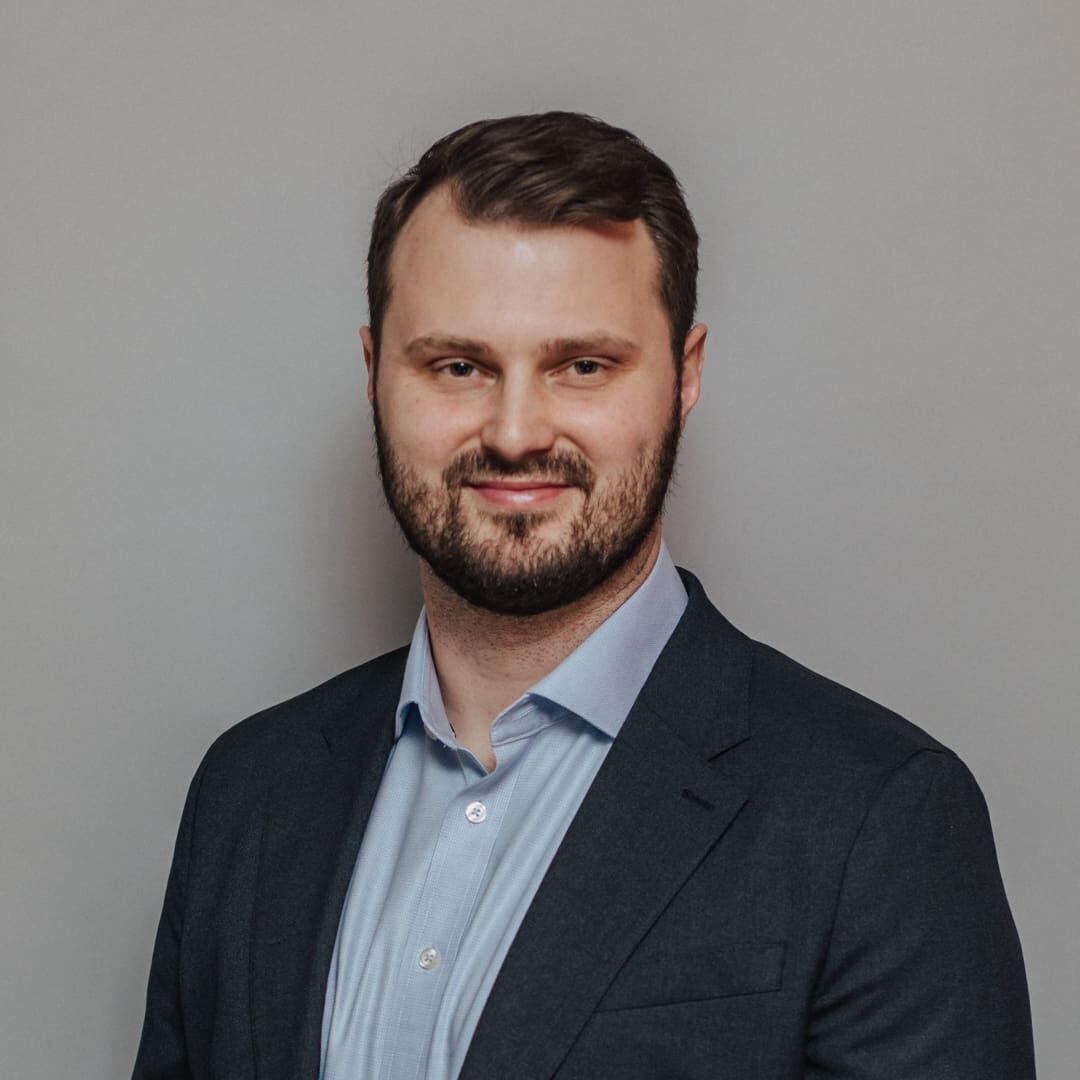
(486, 661)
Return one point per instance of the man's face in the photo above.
(527, 410)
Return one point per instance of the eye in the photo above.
(585, 366)
(458, 369)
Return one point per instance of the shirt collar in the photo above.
(599, 681)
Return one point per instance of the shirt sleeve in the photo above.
(924, 977)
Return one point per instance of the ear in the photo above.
(693, 359)
(369, 361)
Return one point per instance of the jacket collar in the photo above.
(700, 685)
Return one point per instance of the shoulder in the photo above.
(288, 731)
(796, 728)
(834, 759)
(791, 702)
(825, 765)
(822, 741)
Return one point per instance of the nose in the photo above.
(518, 424)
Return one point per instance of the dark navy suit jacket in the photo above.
(771, 877)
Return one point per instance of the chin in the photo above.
(526, 529)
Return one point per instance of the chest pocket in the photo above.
(666, 976)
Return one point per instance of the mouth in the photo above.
(518, 494)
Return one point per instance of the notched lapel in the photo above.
(314, 821)
(654, 811)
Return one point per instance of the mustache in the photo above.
(474, 466)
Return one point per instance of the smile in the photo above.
(518, 494)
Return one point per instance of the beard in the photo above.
(513, 570)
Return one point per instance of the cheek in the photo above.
(423, 432)
(614, 439)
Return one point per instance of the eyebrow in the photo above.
(600, 342)
(445, 343)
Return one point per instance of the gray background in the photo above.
(881, 478)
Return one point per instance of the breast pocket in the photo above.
(666, 975)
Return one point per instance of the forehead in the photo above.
(445, 268)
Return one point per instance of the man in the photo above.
(582, 826)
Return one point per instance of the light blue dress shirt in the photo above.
(453, 855)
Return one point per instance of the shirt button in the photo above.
(428, 958)
(476, 812)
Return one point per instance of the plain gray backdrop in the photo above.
(880, 479)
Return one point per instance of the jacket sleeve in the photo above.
(924, 976)
(162, 1053)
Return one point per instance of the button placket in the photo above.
(464, 843)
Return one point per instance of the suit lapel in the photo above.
(314, 820)
(655, 809)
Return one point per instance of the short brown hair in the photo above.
(553, 168)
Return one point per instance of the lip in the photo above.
(518, 493)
